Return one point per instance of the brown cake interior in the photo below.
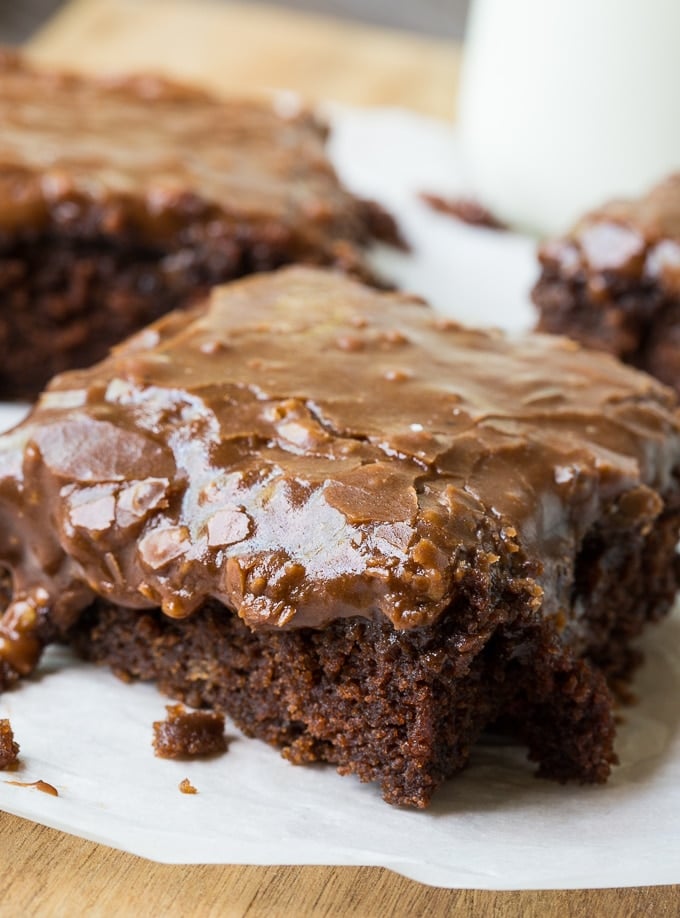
(637, 322)
(404, 708)
(66, 302)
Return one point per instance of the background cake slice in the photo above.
(613, 282)
(122, 199)
(364, 532)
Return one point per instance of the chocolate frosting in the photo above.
(630, 240)
(304, 448)
(166, 163)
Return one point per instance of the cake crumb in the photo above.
(465, 209)
(9, 748)
(188, 734)
(187, 787)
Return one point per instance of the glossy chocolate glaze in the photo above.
(166, 164)
(303, 448)
(38, 785)
(631, 240)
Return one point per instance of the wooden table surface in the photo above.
(248, 48)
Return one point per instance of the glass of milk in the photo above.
(566, 103)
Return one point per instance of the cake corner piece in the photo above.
(124, 198)
(613, 281)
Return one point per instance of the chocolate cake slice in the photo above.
(362, 531)
(613, 282)
(123, 199)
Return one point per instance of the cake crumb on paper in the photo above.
(189, 734)
(9, 748)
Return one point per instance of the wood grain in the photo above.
(245, 49)
(53, 874)
(241, 48)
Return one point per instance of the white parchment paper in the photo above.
(493, 827)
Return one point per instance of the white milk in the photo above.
(565, 103)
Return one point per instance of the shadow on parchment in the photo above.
(500, 777)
